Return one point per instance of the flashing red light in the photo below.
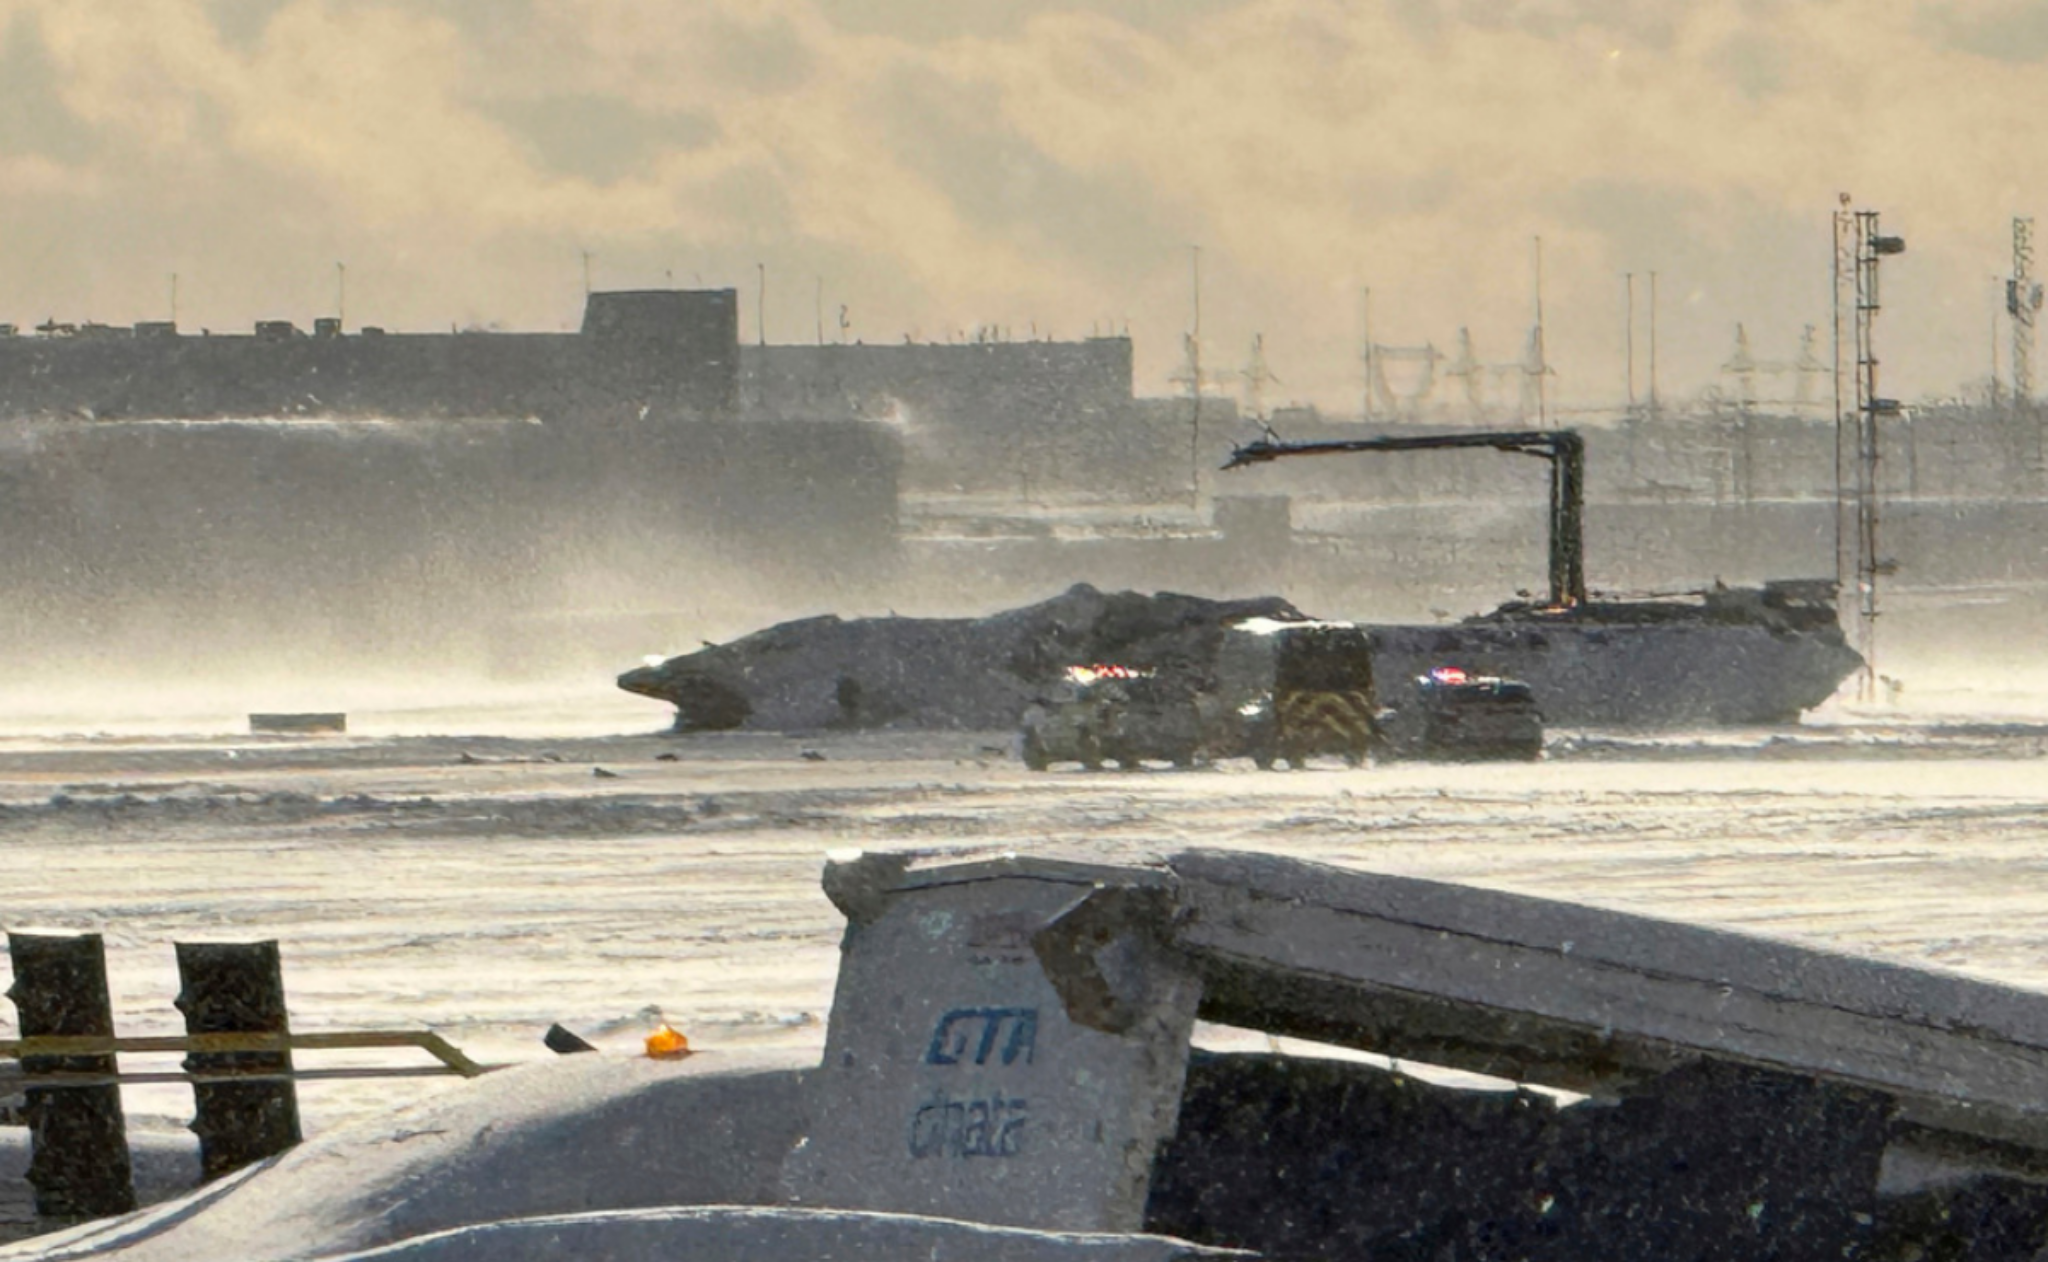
(1103, 670)
(1449, 675)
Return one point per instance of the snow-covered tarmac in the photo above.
(488, 887)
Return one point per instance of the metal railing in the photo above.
(66, 1078)
(451, 1058)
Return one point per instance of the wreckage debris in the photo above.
(1010, 1051)
(944, 673)
(1725, 657)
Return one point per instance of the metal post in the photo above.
(78, 1137)
(1567, 515)
(237, 988)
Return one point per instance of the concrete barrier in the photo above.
(311, 723)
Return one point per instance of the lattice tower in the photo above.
(2022, 301)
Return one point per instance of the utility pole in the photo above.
(1542, 357)
(1371, 360)
(586, 273)
(174, 301)
(1997, 393)
(1997, 373)
(1195, 383)
(1256, 376)
(1653, 344)
(340, 295)
(761, 305)
(1629, 338)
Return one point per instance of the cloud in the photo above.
(1756, 66)
(1650, 25)
(600, 138)
(954, 136)
(940, 21)
(2004, 30)
(33, 116)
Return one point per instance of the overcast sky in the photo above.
(944, 164)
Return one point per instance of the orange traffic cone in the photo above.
(667, 1043)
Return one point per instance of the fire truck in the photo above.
(1278, 692)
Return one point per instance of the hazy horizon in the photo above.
(1043, 169)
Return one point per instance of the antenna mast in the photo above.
(1871, 246)
(1844, 343)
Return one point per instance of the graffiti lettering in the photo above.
(958, 1028)
(946, 1127)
